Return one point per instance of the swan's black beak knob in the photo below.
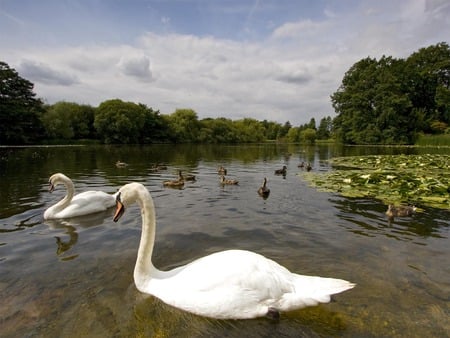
(120, 208)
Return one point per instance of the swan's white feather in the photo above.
(84, 203)
(229, 284)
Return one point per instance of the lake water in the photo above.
(72, 278)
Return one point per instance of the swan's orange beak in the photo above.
(120, 209)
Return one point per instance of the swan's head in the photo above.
(127, 195)
(56, 179)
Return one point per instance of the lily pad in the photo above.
(393, 179)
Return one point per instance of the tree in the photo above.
(392, 100)
(428, 81)
(293, 134)
(19, 109)
(324, 130)
(68, 120)
(156, 128)
(117, 121)
(249, 130)
(312, 124)
(184, 125)
(219, 130)
(308, 135)
(283, 131)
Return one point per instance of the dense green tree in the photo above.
(293, 134)
(68, 120)
(283, 131)
(156, 128)
(392, 100)
(250, 130)
(324, 129)
(184, 125)
(272, 129)
(308, 136)
(19, 109)
(219, 130)
(428, 84)
(311, 124)
(117, 121)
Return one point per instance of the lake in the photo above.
(74, 277)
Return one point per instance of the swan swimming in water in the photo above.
(231, 284)
(85, 203)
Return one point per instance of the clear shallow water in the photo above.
(72, 278)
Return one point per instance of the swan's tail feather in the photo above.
(311, 290)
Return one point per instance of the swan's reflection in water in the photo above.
(72, 226)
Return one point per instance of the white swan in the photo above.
(85, 203)
(232, 284)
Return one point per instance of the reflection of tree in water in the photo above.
(63, 246)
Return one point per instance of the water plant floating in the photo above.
(394, 179)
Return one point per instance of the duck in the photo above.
(224, 180)
(120, 164)
(230, 284)
(71, 205)
(178, 183)
(301, 165)
(263, 191)
(188, 177)
(308, 167)
(281, 171)
(222, 171)
(158, 167)
(400, 211)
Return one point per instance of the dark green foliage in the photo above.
(117, 121)
(19, 109)
(69, 121)
(391, 100)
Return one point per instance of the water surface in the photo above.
(73, 277)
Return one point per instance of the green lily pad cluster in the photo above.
(393, 179)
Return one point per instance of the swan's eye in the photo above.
(118, 197)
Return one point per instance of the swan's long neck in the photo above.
(61, 205)
(144, 268)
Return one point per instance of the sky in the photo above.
(275, 60)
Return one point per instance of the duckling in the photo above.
(263, 191)
(308, 167)
(223, 181)
(120, 164)
(301, 165)
(178, 183)
(222, 171)
(281, 171)
(400, 211)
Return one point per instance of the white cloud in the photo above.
(289, 75)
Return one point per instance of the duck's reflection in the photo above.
(71, 227)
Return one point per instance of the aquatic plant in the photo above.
(413, 179)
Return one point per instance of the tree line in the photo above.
(386, 101)
(24, 119)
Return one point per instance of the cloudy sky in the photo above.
(278, 60)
